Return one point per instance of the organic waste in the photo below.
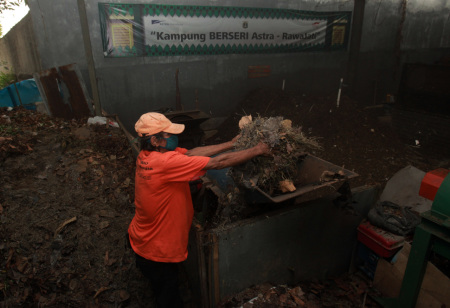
(275, 173)
(54, 170)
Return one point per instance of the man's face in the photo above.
(163, 142)
(166, 135)
(170, 141)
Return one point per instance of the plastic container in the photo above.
(383, 243)
(431, 183)
(367, 260)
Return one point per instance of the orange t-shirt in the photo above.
(159, 230)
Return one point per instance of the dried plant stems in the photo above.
(287, 144)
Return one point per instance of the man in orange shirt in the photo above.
(159, 230)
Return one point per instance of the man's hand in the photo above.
(233, 141)
(263, 148)
(230, 159)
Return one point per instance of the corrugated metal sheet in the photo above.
(63, 91)
(78, 99)
(50, 81)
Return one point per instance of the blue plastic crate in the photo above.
(367, 260)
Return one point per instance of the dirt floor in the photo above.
(67, 193)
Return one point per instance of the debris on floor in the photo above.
(346, 291)
(67, 195)
(65, 203)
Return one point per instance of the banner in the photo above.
(175, 30)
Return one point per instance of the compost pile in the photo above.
(351, 290)
(65, 204)
(67, 196)
(278, 172)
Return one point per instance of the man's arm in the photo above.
(211, 150)
(235, 158)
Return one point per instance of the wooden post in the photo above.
(178, 105)
(89, 56)
(355, 43)
(18, 94)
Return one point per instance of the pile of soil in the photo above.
(67, 196)
(65, 204)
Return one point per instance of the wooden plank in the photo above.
(213, 274)
(89, 56)
(202, 271)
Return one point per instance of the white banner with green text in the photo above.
(175, 30)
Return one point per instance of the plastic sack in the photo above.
(394, 218)
(23, 93)
(101, 121)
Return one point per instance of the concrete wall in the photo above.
(392, 32)
(58, 32)
(19, 50)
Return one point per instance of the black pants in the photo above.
(164, 280)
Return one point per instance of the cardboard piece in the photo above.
(435, 285)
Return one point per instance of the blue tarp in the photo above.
(28, 91)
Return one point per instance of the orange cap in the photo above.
(152, 123)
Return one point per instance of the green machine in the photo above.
(432, 235)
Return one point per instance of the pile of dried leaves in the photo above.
(352, 290)
(275, 173)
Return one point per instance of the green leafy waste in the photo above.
(6, 76)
